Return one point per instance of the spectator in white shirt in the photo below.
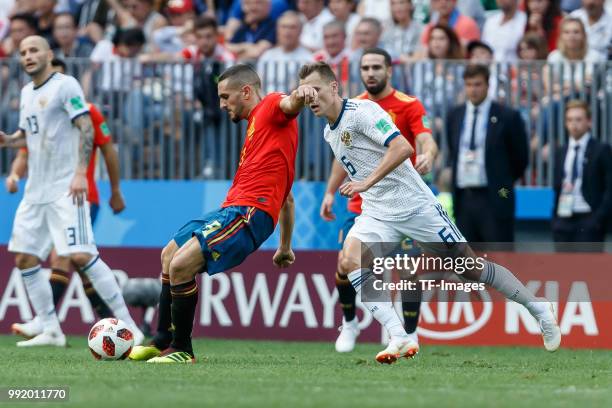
(504, 29)
(597, 23)
(401, 34)
(278, 66)
(572, 51)
(344, 10)
(314, 16)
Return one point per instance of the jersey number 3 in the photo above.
(349, 166)
(33, 124)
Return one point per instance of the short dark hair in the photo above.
(373, 22)
(58, 63)
(130, 37)
(240, 75)
(203, 21)
(472, 45)
(65, 14)
(321, 67)
(28, 18)
(378, 51)
(474, 70)
(578, 104)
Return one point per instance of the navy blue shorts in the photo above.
(228, 235)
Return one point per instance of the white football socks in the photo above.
(41, 297)
(382, 309)
(104, 282)
(506, 283)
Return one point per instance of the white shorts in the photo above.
(61, 224)
(430, 225)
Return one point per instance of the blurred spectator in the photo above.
(532, 47)
(367, 34)
(278, 66)
(448, 14)
(488, 152)
(479, 52)
(314, 17)
(206, 43)
(21, 26)
(257, 32)
(6, 9)
(504, 29)
(65, 39)
(335, 52)
(401, 34)
(92, 18)
(138, 14)
(544, 18)
(118, 74)
(573, 49)
(45, 14)
(582, 181)
(597, 23)
(378, 9)
(277, 8)
(473, 9)
(434, 79)
(344, 10)
(178, 34)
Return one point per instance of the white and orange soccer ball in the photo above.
(110, 339)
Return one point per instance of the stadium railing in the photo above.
(166, 122)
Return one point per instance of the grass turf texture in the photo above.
(234, 373)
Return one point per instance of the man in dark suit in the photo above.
(582, 181)
(489, 153)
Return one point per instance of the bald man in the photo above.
(55, 125)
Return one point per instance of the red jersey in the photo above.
(102, 136)
(409, 115)
(267, 160)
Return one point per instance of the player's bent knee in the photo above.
(168, 252)
(80, 260)
(347, 265)
(61, 263)
(26, 261)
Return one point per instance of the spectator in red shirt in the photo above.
(544, 18)
(448, 14)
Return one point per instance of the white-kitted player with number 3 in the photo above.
(397, 203)
(55, 125)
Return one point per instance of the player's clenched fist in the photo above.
(283, 258)
(305, 94)
(351, 188)
(11, 183)
(78, 188)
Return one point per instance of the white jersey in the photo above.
(359, 140)
(46, 115)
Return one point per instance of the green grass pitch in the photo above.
(234, 373)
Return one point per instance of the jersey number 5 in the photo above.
(349, 167)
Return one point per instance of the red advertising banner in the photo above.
(258, 301)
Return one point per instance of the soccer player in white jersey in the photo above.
(397, 203)
(55, 125)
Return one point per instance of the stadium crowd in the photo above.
(542, 55)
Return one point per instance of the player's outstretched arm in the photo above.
(78, 187)
(428, 149)
(18, 170)
(284, 255)
(336, 177)
(399, 151)
(112, 166)
(304, 95)
(16, 140)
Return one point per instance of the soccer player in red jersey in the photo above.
(410, 117)
(260, 196)
(60, 265)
